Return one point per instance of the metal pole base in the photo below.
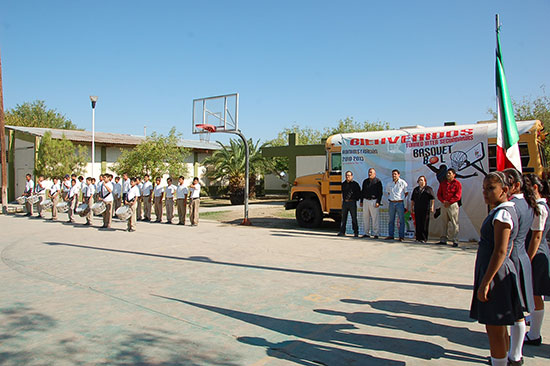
(246, 222)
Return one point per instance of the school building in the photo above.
(22, 145)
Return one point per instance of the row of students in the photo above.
(512, 248)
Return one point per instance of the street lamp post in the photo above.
(93, 99)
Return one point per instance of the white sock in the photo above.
(517, 334)
(536, 324)
(499, 361)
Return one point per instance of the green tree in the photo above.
(156, 155)
(229, 164)
(36, 114)
(348, 125)
(59, 157)
(529, 108)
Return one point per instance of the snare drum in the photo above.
(33, 199)
(98, 208)
(82, 209)
(62, 206)
(21, 200)
(124, 212)
(46, 204)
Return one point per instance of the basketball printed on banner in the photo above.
(434, 160)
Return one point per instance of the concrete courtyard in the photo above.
(220, 294)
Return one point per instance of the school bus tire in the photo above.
(309, 213)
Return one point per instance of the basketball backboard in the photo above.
(216, 114)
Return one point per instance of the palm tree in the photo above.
(228, 164)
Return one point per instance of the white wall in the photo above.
(23, 164)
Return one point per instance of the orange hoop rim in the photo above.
(206, 127)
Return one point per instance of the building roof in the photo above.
(106, 138)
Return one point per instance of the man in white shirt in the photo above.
(131, 200)
(117, 193)
(54, 196)
(87, 198)
(170, 191)
(195, 193)
(71, 198)
(107, 197)
(66, 186)
(139, 185)
(181, 200)
(98, 186)
(146, 196)
(29, 189)
(396, 192)
(41, 191)
(158, 194)
(125, 186)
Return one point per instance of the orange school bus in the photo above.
(317, 196)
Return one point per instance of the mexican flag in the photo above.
(507, 132)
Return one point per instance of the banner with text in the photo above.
(429, 152)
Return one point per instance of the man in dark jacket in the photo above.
(351, 193)
(371, 195)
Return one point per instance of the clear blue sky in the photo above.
(292, 62)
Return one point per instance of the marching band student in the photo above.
(158, 194)
(98, 186)
(117, 192)
(539, 253)
(496, 300)
(131, 200)
(195, 189)
(87, 198)
(107, 197)
(71, 198)
(526, 209)
(54, 196)
(181, 200)
(146, 197)
(125, 186)
(81, 184)
(139, 184)
(169, 200)
(29, 189)
(41, 191)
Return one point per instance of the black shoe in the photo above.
(442, 242)
(515, 363)
(401, 239)
(339, 234)
(437, 213)
(375, 237)
(532, 342)
(366, 236)
(455, 244)
(356, 235)
(388, 238)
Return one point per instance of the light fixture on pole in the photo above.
(93, 99)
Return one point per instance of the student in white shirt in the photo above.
(107, 197)
(131, 200)
(54, 196)
(41, 191)
(139, 185)
(146, 196)
(181, 200)
(170, 191)
(71, 197)
(29, 189)
(87, 198)
(125, 186)
(158, 194)
(195, 189)
(117, 193)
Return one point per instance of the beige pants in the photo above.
(28, 207)
(138, 209)
(194, 211)
(147, 207)
(132, 218)
(449, 215)
(39, 206)
(89, 215)
(370, 211)
(70, 212)
(158, 208)
(169, 203)
(55, 201)
(108, 214)
(181, 203)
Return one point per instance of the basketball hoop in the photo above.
(206, 127)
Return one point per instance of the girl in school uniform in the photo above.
(539, 253)
(526, 208)
(496, 300)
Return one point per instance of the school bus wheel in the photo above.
(309, 214)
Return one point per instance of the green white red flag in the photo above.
(508, 155)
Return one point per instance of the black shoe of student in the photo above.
(388, 238)
(356, 235)
(366, 236)
(455, 244)
(375, 237)
(515, 363)
(532, 342)
(339, 234)
(437, 213)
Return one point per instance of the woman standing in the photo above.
(539, 253)
(422, 204)
(496, 300)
